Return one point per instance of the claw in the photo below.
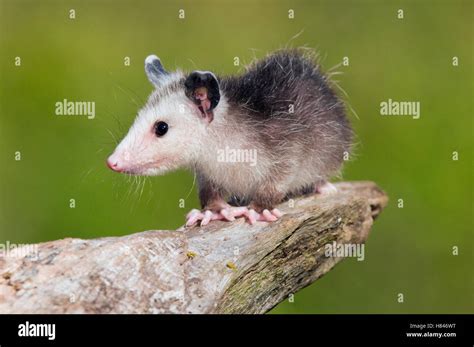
(207, 217)
(227, 214)
(193, 216)
(252, 216)
(267, 216)
(192, 212)
(277, 213)
(230, 213)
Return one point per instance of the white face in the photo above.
(146, 150)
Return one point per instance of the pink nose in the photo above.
(113, 164)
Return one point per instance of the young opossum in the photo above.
(281, 113)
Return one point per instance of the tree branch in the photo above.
(221, 268)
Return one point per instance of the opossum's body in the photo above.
(281, 109)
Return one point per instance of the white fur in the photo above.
(142, 152)
(151, 58)
(237, 177)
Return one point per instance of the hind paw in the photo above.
(326, 188)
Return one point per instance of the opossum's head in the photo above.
(171, 128)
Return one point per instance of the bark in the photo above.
(221, 268)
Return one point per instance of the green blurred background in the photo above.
(409, 250)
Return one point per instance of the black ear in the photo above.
(202, 88)
(154, 70)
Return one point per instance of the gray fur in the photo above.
(154, 69)
(317, 133)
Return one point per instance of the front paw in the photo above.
(229, 214)
(204, 217)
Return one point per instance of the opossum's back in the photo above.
(286, 96)
(280, 84)
(292, 110)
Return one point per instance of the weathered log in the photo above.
(220, 268)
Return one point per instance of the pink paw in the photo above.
(230, 213)
(205, 217)
(326, 189)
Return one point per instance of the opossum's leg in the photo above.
(209, 194)
(214, 207)
(211, 202)
(325, 188)
(262, 205)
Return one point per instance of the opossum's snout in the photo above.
(118, 162)
(123, 162)
(113, 164)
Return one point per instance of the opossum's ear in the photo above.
(154, 70)
(202, 88)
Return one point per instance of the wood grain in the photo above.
(220, 268)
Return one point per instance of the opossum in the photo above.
(276, 131)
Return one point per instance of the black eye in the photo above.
(161, 128)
